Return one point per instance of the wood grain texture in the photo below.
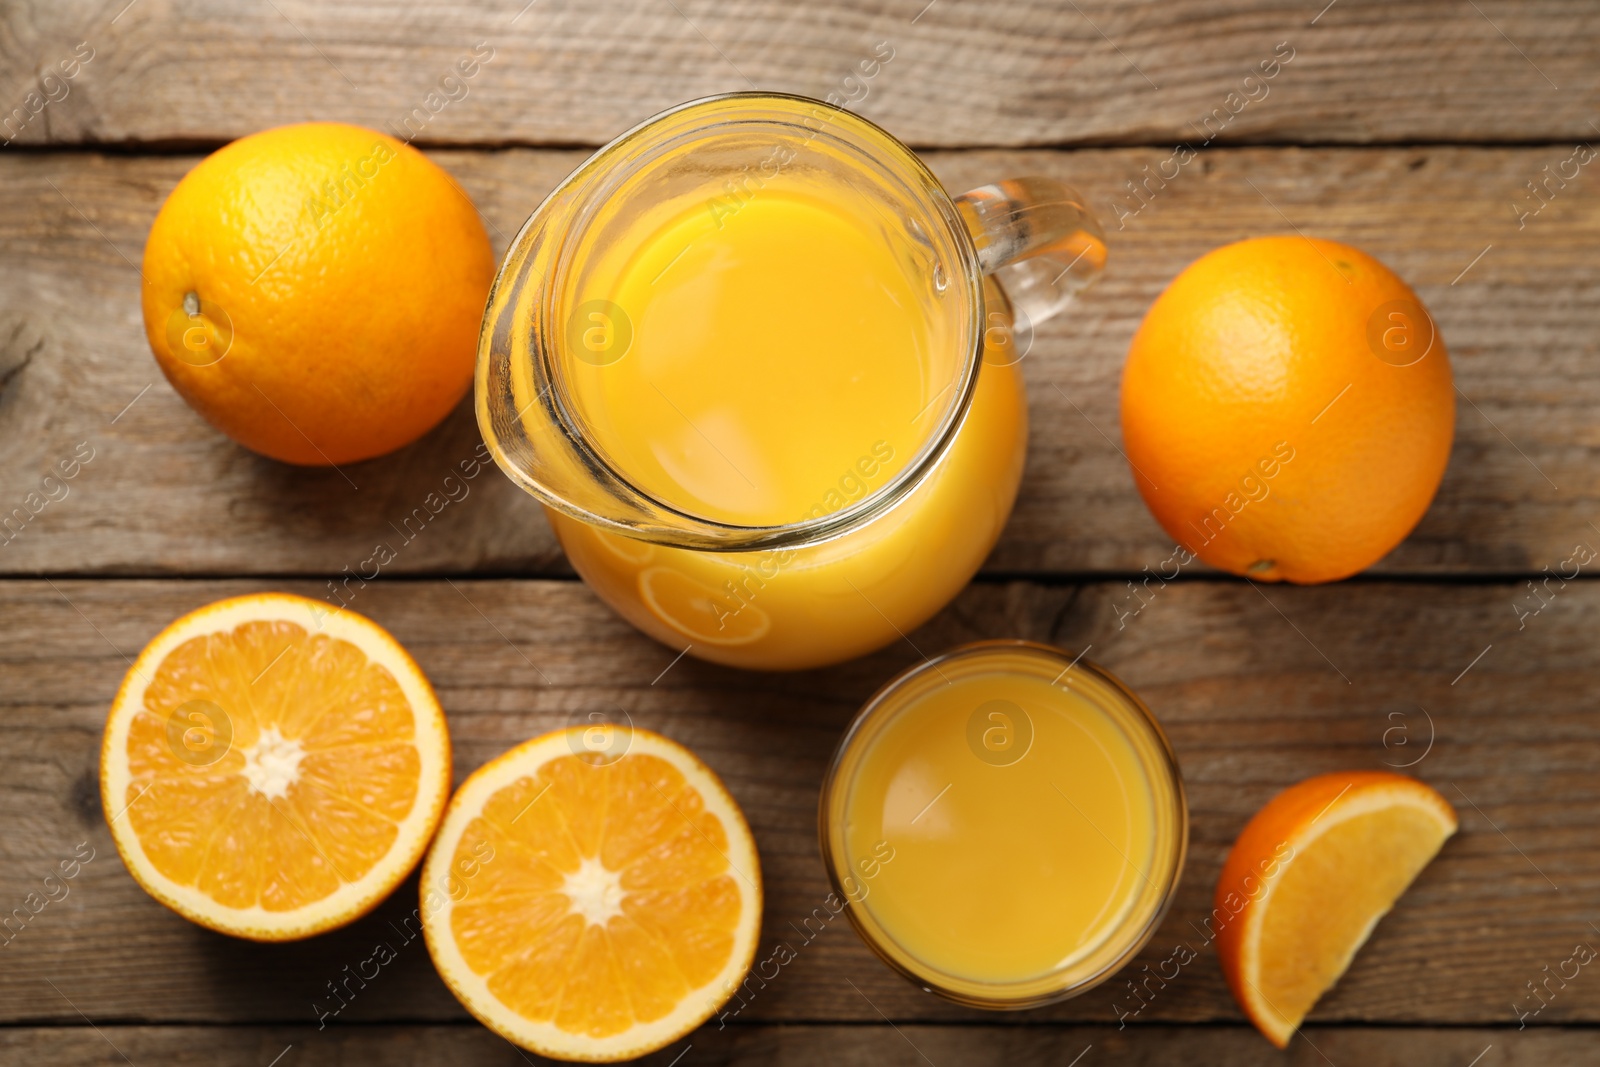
(806, 1046)
(166, 494)
(1025, 72)
(1257, 689)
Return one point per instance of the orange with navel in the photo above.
(1288, 409)
(314, 291)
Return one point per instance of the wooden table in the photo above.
(1412, 130)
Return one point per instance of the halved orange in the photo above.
(1308, 880)
(594, 894)
(273, 767)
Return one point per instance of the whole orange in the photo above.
(1288, 408)
(315, 291)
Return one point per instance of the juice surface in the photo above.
(1022, 822)
(785, 360)
(794, 608)
(774, 344)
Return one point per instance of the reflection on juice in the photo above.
(1033, 815)
(786, 360)
(1014, 870)
(772, 350)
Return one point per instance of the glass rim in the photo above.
(1018, 995)
(701, 532)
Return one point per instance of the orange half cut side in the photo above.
(593, 906)
(272, 767)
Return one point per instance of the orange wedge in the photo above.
(272, 767)
(593, 894)
(1310, 877)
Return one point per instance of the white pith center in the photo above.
(595, 891)
(272, 764)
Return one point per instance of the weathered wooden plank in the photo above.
(164, 493)
(1257, 688)
(947, 73)
(804, 1046)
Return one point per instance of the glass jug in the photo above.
(844, 463)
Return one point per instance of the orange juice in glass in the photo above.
(1006, 824)
(762, 372)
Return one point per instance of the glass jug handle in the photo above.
(1037, 237)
